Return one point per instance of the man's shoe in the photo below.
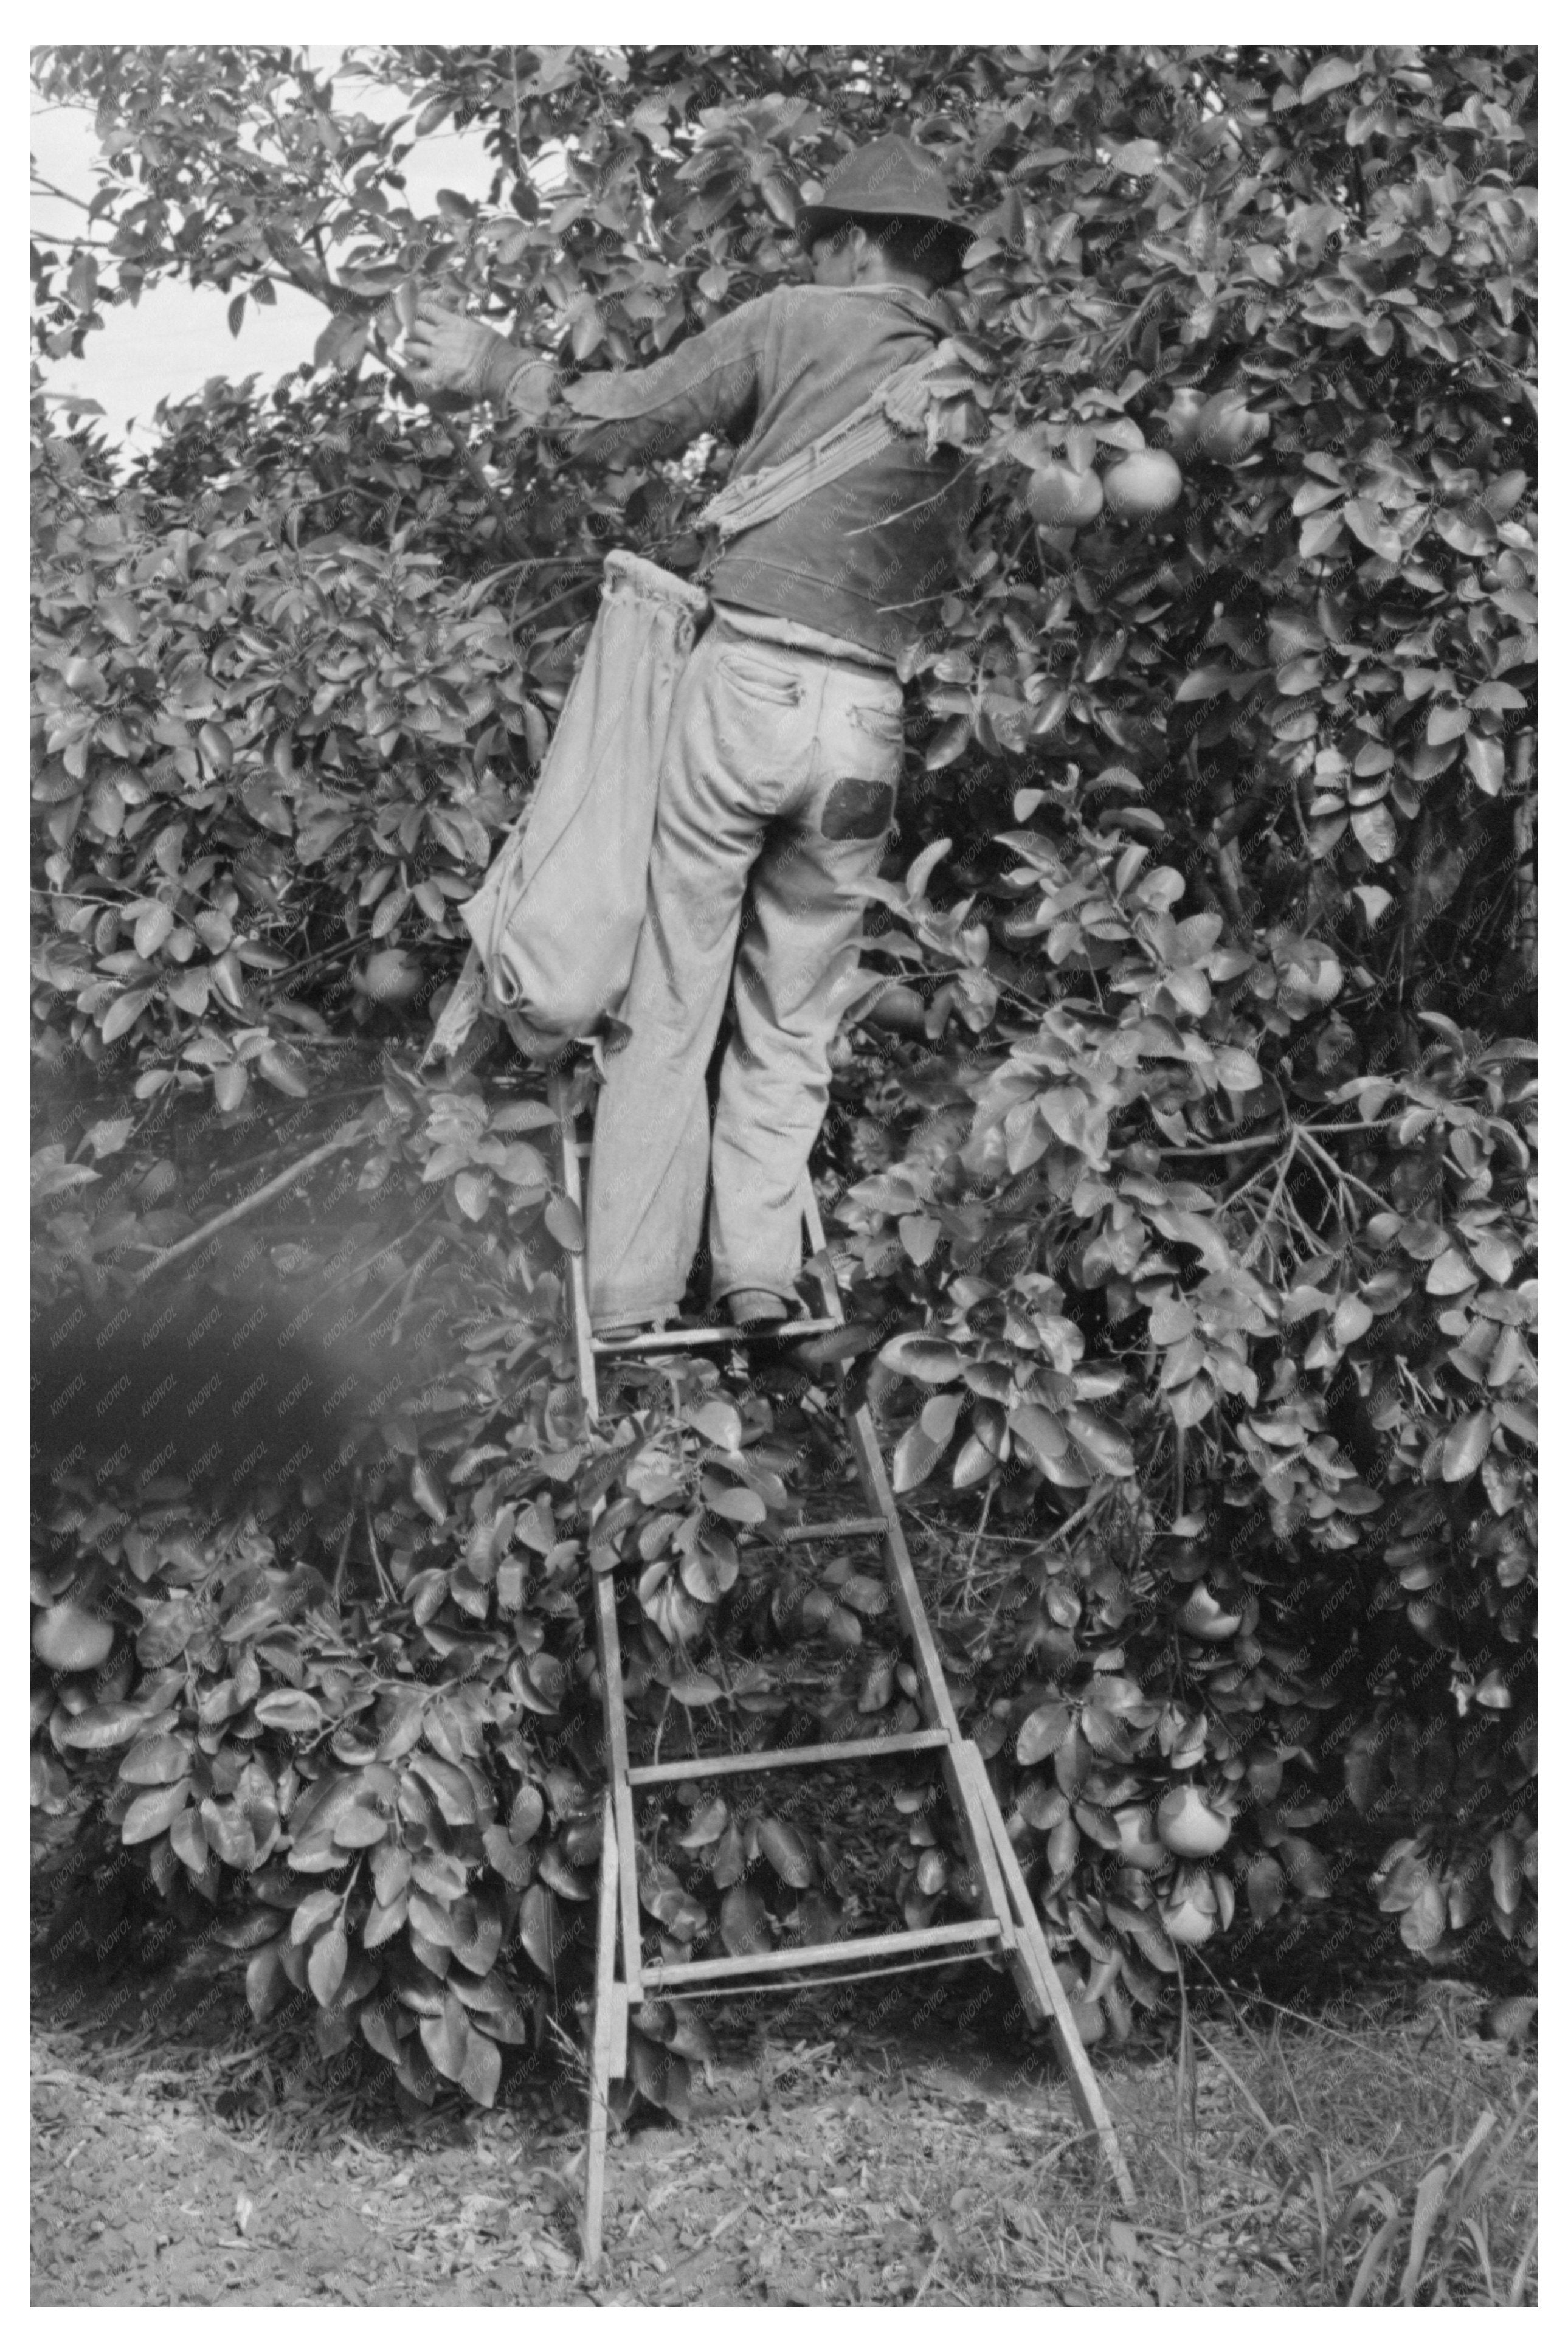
(646, 1330)
(750, 1310)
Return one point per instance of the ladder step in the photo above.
(658, 1343)
(775, 1759)
(971, 1932)
(828, 1530)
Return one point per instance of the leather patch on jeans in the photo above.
(857, 810)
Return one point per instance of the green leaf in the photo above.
(915, 1455)
(727, 1865)
(290, 1710)
(739, 1504)
(100, 1728)
(1466, 1446)
(1043, 1730)
(154, 1762)
(151, 1813)
(743, 1922)
(919, 1236)
(660, 2074)
(1332, 74)
(707, 1825)
(342, 341)
(696, 1690)
(514, 1862)
(481, 2073)
(565, 1222)
(265, 1985)
(445, 2040)
(1137, 157)
(124, 1014)
(323, 1904)
(1265, 1887)
(786, 1850)
(360, 1827)
(425, 1488)
(719, 1423)
(451, 1786)
(540, 1930)
(918, 1357)
(1039, 1433)
(1104, 1445)
(328, 1964)
(1448, 1275)
(1202, 685)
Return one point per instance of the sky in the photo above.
(178, 335)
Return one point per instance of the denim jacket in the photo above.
(866, 558)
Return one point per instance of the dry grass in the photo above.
(1362, 2158)
(843, 2152)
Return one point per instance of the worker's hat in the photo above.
(889, 179)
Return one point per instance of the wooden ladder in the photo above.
(1007, 1925)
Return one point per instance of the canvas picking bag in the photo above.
(555, 921)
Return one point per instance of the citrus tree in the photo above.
(1183, 1196)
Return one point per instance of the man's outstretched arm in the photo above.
(608, 419)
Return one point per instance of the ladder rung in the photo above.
(816, 1956)
(711, 1335)
(828, 1530)
(775, 1759)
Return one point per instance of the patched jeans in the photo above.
(775, 802)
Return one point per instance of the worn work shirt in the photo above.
(867, 557)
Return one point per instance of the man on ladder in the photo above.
(775, 802)
(775, 798)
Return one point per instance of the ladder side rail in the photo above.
(935, 1701)
(620, 1782)
(978, 1848)
(810, 1209)
(614, 1696)
(777, 1760)
(955, 1935)
(975, 1832)
(603, 2046)
(1037, 1969)
(910, 1607)
(571, 1184)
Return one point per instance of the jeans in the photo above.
(776, 799)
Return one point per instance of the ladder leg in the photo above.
(1034, 1972)
(577, 1271)
(602, 2065)
(958, 1767)
(614, 1702)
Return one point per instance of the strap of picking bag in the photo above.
(864, 432)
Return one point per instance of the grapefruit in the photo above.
(1188, 1919)
(901, 1008)
(1190, 1827)
(1148, 482)
(1140, 1847)
(391, 977)
(1227, 430)
(1062, 498)
(71, 1639)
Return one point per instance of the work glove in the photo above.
(445, 352)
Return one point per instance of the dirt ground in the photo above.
(891, 2155)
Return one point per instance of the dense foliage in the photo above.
(1188, 1227)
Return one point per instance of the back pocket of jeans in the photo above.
(884, 722)
(761, 681)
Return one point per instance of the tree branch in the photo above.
(353, 1133)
